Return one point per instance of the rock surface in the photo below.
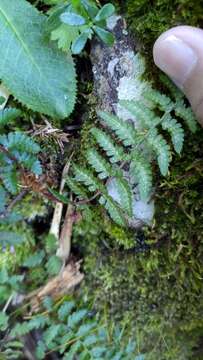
(117, 74)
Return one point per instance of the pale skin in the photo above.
(179, 53)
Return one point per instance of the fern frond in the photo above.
(141, 173)
(124, 130)
(20, 329)
(65, 310)
(115, 152)
(186, 114)
(10, 182)
(34, 260)
(76, 317)
(50, 334)
(176, 131)
(85, 176)
(114, 211)
(28, 161)
(175, 92)
(75, 188)
(98, 163)
(38, 322)
(125, 194)
(143, 115)
(19, 141)
(163, 102)
(8, 115)
(162, 150)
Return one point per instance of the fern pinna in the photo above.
(69, 331)
(127, 149)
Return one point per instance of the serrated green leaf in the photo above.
(46, 78)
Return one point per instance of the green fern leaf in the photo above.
(176, 131)
(84, 329)
(114, 151)
(10, 182)
(46, 77)
(21, 142)
(70, 355)
(114, 211)
(125, 195)
(90, 340)
(175, 92)
(124, 130)
(144, 116)
(102, 167)
(187, 115)
(76, 317)
(8, 115)
(161, 100)
(38, 322)
(75, 188)
(40, 350)
(65, 310)
(50, 334)
(84, 176)
(20, 329)
(162, 150)
(141, 173)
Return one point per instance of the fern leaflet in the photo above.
(115, 152)
(176, 131)
(141, 173)
(124, 130)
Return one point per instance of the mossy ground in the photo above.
(157, 292)
(151, 280)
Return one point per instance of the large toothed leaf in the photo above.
(37, 74)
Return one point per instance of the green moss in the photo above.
(159, 291)
(148, 19)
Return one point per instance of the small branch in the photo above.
(66, 233)
(61, 285)
(56, 220)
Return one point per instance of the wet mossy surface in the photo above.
(152, 280)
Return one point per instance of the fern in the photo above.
(71, 331)
(162, 150)
(17, 150)
(8, 115)
(141, 174)
(102, 167)
(176, 131)
(113, 151)
(125, 131)
(130, 147)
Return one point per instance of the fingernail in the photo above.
(175, 58)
